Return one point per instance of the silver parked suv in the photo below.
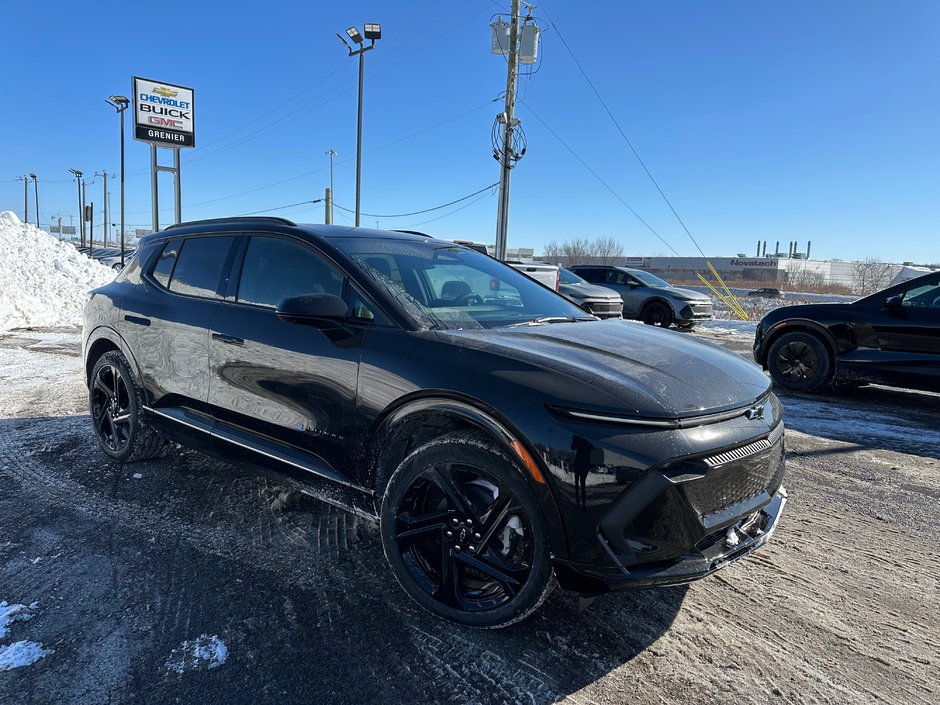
(649, 298)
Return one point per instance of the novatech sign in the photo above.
(753, 263)
(163, 113)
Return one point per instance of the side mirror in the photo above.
(308, 308)
(893, 301)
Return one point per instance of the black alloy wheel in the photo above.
(110, 407)
(116, 403)
(800, 362)
(657, 314)
(464, 534)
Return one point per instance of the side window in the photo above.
(615, 277)
(199, 266)
(276, 269)
(165, 263)
(588, 275)
(924, 296)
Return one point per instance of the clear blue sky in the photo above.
(777, 121)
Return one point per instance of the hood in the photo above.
(621, 367)
(687, 294)
(811, 311)
(588, 291)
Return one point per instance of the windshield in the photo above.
(566, 276)
(649, 279)
(448, 286)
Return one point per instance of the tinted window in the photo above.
(199, 266)
(165, 263)
(449, 286)
(276, 269)
(592, 275)
(924, 296)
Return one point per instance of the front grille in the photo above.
(738, 475)
(606, 308)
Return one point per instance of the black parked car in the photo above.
(503, 437)
(891, 337)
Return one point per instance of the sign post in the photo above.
(163, 117)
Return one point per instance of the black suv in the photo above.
(890, 337)
(504, 438)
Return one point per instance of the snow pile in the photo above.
(200, 653)
(19, 653)
(43, 282)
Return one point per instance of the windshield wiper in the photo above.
(550, 319)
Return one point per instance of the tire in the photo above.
(116, 404)
(657, 313)
(464, 534)
(800, 362)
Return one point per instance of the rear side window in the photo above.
(276, 269)
(199, 266)
(163, 269)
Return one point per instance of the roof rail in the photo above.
(235, 219)
(412, 232)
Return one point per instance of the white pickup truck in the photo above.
(547, 274)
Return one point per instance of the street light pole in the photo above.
(372, 32)
(81, 215)
(25, 180)
(36, 193)
(120, 103)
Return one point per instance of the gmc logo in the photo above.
(163, 122)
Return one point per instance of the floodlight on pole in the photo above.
(120, 103)
(36, 192)
(373, 31)
(78, 184)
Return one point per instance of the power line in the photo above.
(447, 215)
(280, 208)
(426, 210)
(622, 133)
(598, 177)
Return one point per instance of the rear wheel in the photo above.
(800, 362)
(657, 314)
(116, 411)
(464, 534)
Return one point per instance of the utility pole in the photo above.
(329, 202)
(328, 207)
(104, 192)
(509, 122)
(25, 180)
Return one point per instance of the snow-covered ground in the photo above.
(43, 282)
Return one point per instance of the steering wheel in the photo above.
(470, 299)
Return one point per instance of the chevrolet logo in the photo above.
(755, 413)
(165, 92)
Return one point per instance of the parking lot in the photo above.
(129, 566)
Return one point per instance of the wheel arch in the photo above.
(104, 339)
(657, 299)
(797, 326)
(426, 415)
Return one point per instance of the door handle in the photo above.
(137, 319)
(230, 339)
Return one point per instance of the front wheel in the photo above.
(800, 362)
(464, 533)
(657, 314)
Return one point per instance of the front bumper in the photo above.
(710, 555)
(695, 312)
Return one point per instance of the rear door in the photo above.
(292, 383)
(166, 319)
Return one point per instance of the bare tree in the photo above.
(606, 250)
(807, 278)
(870, 275)
(581, 250)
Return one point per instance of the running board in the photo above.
(266, 447)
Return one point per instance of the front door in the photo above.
(294, 383)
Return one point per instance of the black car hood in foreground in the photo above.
(632, 369)
(810, 311)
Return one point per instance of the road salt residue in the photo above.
(203, 652)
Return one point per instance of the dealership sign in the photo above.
(163, 114)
